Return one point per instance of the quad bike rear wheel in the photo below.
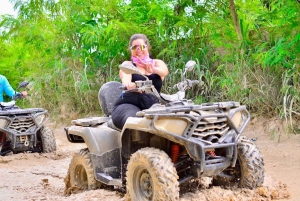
(151, 175)
(47, 138)
(249, 169)
(81, 173)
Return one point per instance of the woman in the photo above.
(130, 103)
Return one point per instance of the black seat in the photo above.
(107, 96)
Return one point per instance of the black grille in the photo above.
(215, 126)
(21, 124)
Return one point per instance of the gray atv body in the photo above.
(197, 129)
(21, 132)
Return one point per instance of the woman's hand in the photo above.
(24, 93)
(130, 85)
(147, 66)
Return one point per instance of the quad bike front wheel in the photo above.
(46, 136)
(249, 169)
(151, 175)
(80, 175)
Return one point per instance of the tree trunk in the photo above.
(235, 20)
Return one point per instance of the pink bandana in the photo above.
(147, 59)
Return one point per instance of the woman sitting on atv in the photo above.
(130, 103)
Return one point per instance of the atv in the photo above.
(23, 130)
(167, 145)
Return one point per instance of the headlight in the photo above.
(176, 126)
(39, 119)
(3, 123)
(236, 119)
(239, 119)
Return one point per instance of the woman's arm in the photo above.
(8, 88)
(160, 68)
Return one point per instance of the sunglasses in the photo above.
(135, 47)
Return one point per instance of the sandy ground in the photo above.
(33, 176)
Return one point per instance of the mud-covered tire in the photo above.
(48, 142)
(249, 170)
(151, 175)
(80, 174)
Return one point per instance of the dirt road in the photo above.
(33, 176)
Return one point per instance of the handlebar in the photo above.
(164, 98)
(148, 87)
(194, 82)
(123, 87)
(18, 95)
(186, 84)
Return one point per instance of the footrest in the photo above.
(104, 178)
(91, 121)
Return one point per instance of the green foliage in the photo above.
(68, 49)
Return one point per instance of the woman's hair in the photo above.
(139, 36)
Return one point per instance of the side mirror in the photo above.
(189, 66)
(23, 84)
(131, 69)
